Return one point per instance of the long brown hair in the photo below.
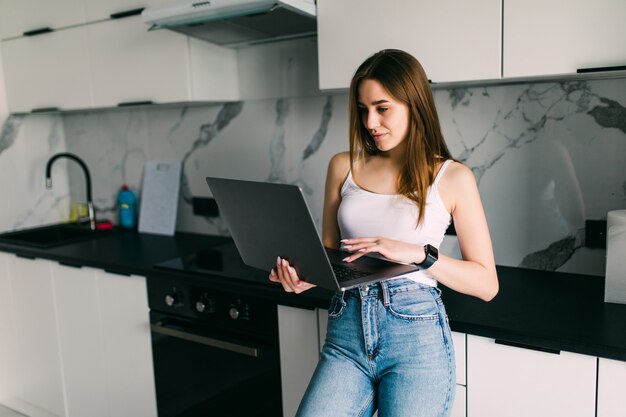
(404, 78)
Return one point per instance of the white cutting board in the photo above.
(159, 197)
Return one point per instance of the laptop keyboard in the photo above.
(346, 273)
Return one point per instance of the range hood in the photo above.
(236, 22)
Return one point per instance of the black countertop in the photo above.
(542, 309)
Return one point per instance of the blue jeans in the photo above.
(388, 348)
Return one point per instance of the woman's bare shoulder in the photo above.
(456, 184)
(458, 172)
(339, 165)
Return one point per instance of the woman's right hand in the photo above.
(286, 275)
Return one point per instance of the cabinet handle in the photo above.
(601, 69)
(525, 346)
(77, 266)
(45, 110)
(38, 31)
(117, 272)
(135, 103)
(127, 13)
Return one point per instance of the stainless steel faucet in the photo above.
(90, 209)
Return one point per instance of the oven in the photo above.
(215, 352)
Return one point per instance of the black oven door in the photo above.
(203, 370)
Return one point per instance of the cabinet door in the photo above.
(611, 383)
(560, 36)
(459, 341)
(450, 45)
(17, 17)
(512, 381)
(130, 64)
(459, 408)
(127, 345)
(39, 380)
(49, 70)
(8, 371)
(81, 340)
(298, 340)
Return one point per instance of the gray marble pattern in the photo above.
(547, 156)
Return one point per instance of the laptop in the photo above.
(267, 220)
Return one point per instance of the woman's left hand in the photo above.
(394, 250)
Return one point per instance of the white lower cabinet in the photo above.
(37, 385)
(127, 345)
(299, 353)
(78, 341)
(104, 330)
(611, 383)
(459, 408)
(81, 340)
(7, 330)
(512, 381)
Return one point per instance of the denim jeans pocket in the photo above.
(414, 305)
(337, 305)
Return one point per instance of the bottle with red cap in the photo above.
(127, 206)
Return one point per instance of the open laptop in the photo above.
(268, 220)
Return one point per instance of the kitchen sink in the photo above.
(53, 235)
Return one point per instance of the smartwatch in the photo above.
(432, 254)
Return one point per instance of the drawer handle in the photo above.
(38, 31)
(601, 69)
(124, 274)
(127, 13)
(71, 265)
(45, 110)
(135, 103)
(525, 346)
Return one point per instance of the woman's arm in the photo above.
(476, 273)
(338, 168)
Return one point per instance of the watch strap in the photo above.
(432, 254)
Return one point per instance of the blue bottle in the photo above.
(127, 205)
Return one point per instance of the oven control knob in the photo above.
(233, 313)
(173, 300)
(200, 307)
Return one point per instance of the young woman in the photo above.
(388, 345)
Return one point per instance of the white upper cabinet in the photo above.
(453, 40)
(19, 16)
(113, 62)
(561, 36)
(130, 64)
(98, 9)
(47, 71)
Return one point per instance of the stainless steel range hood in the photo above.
(237, 22)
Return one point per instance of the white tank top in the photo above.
(364, 213)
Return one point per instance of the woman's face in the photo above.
(384, 117)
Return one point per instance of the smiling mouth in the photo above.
(379, 136)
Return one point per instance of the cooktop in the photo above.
(223, 260)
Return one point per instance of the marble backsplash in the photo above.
(547, 156)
